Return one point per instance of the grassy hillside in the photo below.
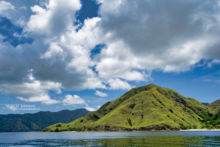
(214, 121)
(37, 121)
(146, 108)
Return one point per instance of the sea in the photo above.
(111, 139)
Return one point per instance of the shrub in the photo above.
(132, 106)
(171, 110)
(129, 122)
(58, 125)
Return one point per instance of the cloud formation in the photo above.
(58, 58)
(116, 84)
(32, 90)
(138, 36)
(100, 93)
(54, 17)
(5, 7)
(73, 100)
(168, 35)
(76, 100)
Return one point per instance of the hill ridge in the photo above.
(37, 121)
(148, 107)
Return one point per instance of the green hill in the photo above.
(146, 108)
(37, 121)
(214, 121)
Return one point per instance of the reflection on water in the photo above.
(111, 139)
(164, 141)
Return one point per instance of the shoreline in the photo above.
(200, 130)
(188, 130)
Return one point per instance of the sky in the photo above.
(69, 54)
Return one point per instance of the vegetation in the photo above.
(145, 108)
(214, 120)
(215, 106)
(38, 121)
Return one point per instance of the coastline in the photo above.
(194, 130)
(167, 130)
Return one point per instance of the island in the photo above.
(147, 108)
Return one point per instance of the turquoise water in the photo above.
(111, 139)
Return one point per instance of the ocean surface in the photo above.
(111, 139)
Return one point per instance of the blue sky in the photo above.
(70, 54)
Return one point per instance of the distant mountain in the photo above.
(37, 121)
(145, 108)
(205, 104)
(215, 106)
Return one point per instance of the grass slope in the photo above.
(146, 108)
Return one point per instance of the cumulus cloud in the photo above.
(99, 1)
(32, 90)
(115, 62)
(101, 94)
(118, 84)
(61, 56)
(73, 100)
(168, 35)
(44, 99)
(67, 49)
(53, 50)
(213, 62)
(138, 37)
(54, 18)
(5, 7)
(76, 100)
(216, 61)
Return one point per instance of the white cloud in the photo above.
(56, 56)
(152, 35)
(101, 94)
(115, 62)
(116, 84)
(32, 90)
(216, 61)
(133, 76)
(77, 45)
(139, 37)
(76, 100)
(73, 100)
(90, 108)
(213, 62)
(66, 54)
(53, 51)
(99, 1)
(43, 98)
(11, 107)
(5, 7)
(54, 18)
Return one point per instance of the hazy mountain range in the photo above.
(37, 121)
